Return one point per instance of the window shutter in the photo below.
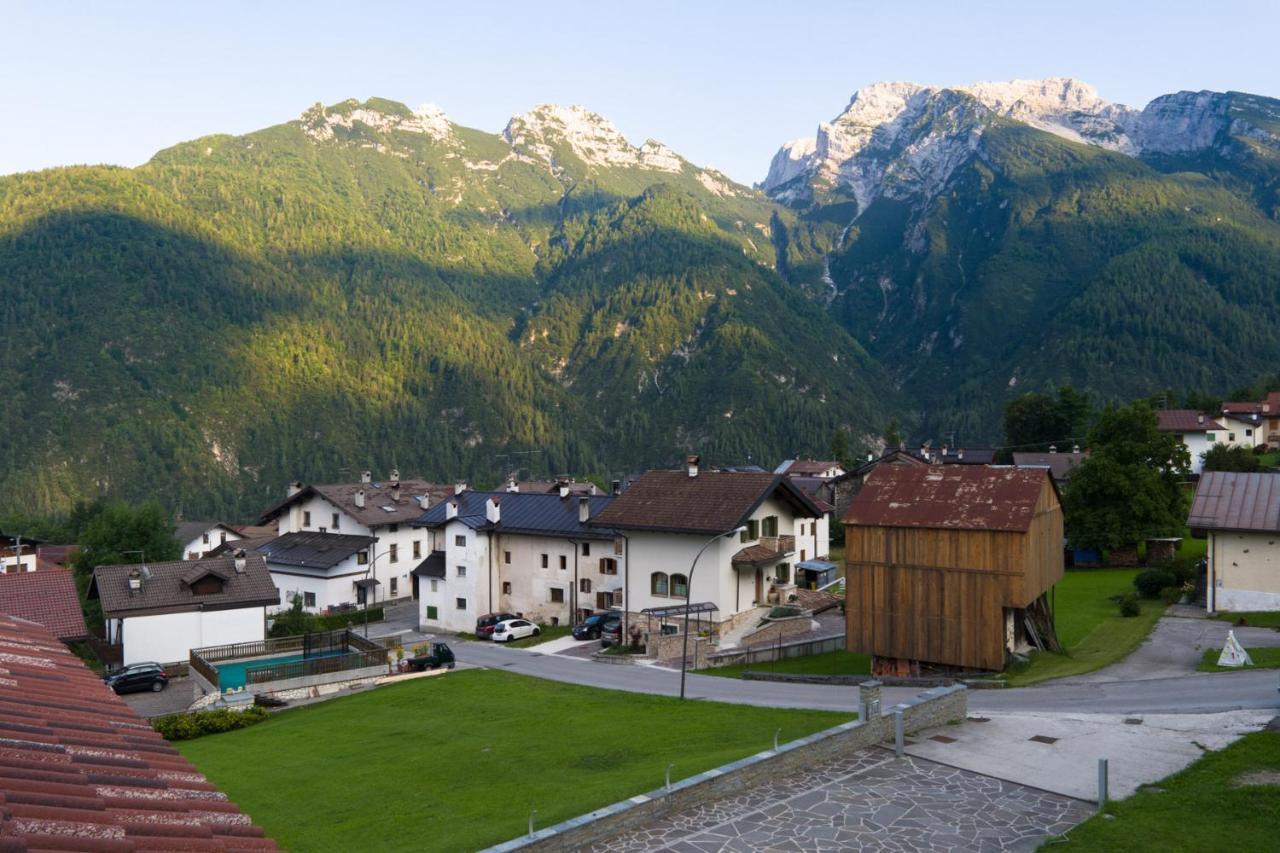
(602, 601)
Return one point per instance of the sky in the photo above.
(722, 83)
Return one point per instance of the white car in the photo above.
(514, 629)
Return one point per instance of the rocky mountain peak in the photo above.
(381, 115)
(592, 138)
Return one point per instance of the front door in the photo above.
(759, 585)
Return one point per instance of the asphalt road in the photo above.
(1191, 694)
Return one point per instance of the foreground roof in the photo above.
(1230, 500)
(167, 587)
(46, 596)
(948, 496)
(712, 502)
(381, 506)
(80, 770)
(313, 550)
(532, 514)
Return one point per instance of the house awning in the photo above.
(816, 565)
(680, 610)
(367, 583)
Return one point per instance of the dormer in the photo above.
(205, 580)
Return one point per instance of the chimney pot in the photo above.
(1199, 419)
(492, 510)
(584, 510)
(1053, 448)
(240, 561)
(395, 492)
(692, 462)
(295, 487)
(358, 497)
(459, 488)
(135, 581)
(394, 476)
(366, 477)
(451, 510)
(1075, 448)
(424, 501)
(512, 485)
(562, 485)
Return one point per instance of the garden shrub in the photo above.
(1129, 605)
(199, 723)
(1171, 594)
(1150, 582)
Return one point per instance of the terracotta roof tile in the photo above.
(79, 770)
(47, 596)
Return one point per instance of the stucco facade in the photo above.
(170, 637)
(1244, 571)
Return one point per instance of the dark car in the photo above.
(441, 655)
(486, 623)
(611, 630)
(590, 628)
(138, 676)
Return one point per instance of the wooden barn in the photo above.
(949, 565)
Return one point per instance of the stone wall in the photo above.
(786, 628)
(665, 648)
(931, 708)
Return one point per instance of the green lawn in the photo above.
(457, 761)
(1255, 618)
(1264, 658)
(1201, 808)
(1090, 626)
(831, 663)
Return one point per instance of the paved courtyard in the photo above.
(871, 801)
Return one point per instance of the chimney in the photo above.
(692, 462)
(492, 511)
(424, 501)
(135, 581)
(451, 510)
(459, 488)
(395, 491)
(616, 487)
(1199, 419)
(562, 485)
(295, 487)
(1053, 448)
(394, 476)
(1075, 448)
(870, 457)
(240, 561)
(366, 477)
(960, 455)
(512, 485)
(358, 497)
(584, 510)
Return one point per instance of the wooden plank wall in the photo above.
(1044, 561)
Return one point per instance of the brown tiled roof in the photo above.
(168, 589)
(257, 531)
(378, 509)
(712, 502)
(46, 596)
(59, 554)
(948, 496)
(1241, 408)
(80, 770)
(1184, 420)
(809, 467)
(768, 550)
(1228, 500)
(1060, 465)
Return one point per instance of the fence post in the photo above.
(1102, 783)
(899, 733)
(531, 814)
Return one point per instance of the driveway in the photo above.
(175, 698)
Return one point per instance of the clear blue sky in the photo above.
(721, 83)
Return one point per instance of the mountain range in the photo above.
(370, 286)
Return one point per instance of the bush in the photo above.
(188, 726)
(782, 612)
(1184, 567)
(1171, 594)
(1150, 582)
(1129, 605)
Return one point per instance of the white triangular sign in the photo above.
(1233, 654)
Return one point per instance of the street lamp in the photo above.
(688, 591)
(373, 560)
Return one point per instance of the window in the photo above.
(362, 558)
(435, 584)
(222, 537)
(802, 555)
(680, 585)
(783, 574)
(557, 595)
(308, 599)
(460, 540)
(1248, 433)
(564, 562)
(417, 549)
(584, 585)
(334, 523)
(393, 586)
(393, 528)
(205, 538)
(506, 557)
(460, 603)
(608, 566)
(752, 533)
(544, 561)
(1210, 437)
(432, 613)
(506, 587)
(394, 552)
(306, 519)
(462, 571)
(658, 583)
(1231, 436)
(586, 549)
(770, 526)
(324, 530)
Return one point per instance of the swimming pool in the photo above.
(231, 676)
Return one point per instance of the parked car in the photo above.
(441, 656)
(589, 628)
(138, 676)
(514, 629)
(611, 630)
(486, 623)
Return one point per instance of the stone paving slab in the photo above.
(870, 801)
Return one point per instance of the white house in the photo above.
(198, 538)
(825, 469)
(161, 611)
(18, 553)
(1240, 513)
(667, 517)
(327, 571)
(379, 510)
(532, 554)
(1196, 430)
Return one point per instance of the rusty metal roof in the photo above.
(1229, 500)
(80, 770)
(948, 496)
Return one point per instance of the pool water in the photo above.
(231, 676)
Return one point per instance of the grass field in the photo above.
(1264, 658)
(1202, 808)
(457, 762)
(1090, 626)
(1256, 618)
(831, 663)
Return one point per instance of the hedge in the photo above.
(199, 723)
(355, 617)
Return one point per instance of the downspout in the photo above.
(1211, 583)
(573, 593)
(626, 586)
(489, 533)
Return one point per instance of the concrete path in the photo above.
(1059, 752)
(175, 698)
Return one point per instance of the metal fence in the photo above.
(314, 666)
(334, 650)
(780, 651)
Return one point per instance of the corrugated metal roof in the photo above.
(47, 596)
(1229, 500)
(948, 496)
(519, 512)
(313, 550)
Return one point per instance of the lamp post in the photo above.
(373, 560)
(688, 592)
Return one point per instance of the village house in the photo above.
(198, 538)
(1196, 430)
(18, 553)
(512, 552)
(822, 469)
(544, 487)
(160, 611)
(47, 597)
(755, 527)
(1240, 515)
(379, 511)
(325, 571)
(1060, 465)
(948, 565)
